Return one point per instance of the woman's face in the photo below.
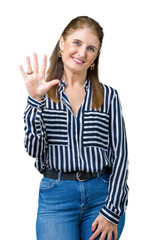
(80, 49)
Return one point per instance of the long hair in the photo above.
(56, 67)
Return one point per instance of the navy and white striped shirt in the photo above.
(87, 142)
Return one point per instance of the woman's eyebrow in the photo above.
(89, 45)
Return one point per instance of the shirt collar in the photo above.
(62, 84)
(87, 83)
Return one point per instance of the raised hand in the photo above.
(35, 80)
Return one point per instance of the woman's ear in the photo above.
(61, 43)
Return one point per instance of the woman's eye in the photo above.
(77, 43)
(91, 49)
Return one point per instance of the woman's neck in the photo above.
(74, 79)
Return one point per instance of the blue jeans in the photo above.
(67, 208)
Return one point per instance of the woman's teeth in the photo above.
(78, 60)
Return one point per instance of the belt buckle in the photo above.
(78, 175)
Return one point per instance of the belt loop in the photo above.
(59, 176)
(98, 175)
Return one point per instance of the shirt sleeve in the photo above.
(35, 133)
(117, 199)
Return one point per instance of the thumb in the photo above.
(52, 83)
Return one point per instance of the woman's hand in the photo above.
(36, 84)
(104, 227)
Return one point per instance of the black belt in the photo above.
(79, 176)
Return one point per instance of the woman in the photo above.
(75, 129)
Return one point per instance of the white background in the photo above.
(33, 25)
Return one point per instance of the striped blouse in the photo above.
(87, 142)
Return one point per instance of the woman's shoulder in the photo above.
(108, 88)
(108, 91)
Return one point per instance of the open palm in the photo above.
(36, 84)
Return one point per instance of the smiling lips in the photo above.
(77, 60)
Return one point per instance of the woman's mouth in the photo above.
(77, 60)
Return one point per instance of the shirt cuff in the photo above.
(35, 103)
(109, 215)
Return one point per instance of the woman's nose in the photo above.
(82, 52)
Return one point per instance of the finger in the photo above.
(109, 236)
(44, 64)
(22, 72)
(103, 235)
(96, 234)
(51, 84)
(35, 58)
(29, 68)
(115, 234)
(94, 225)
